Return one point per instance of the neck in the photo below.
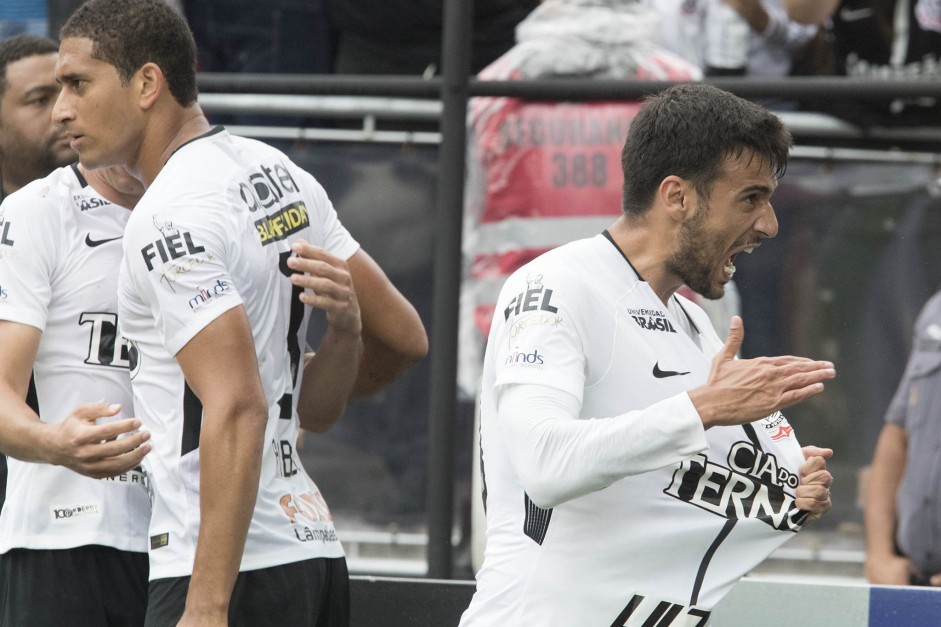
(649, 252)
(120, 189)
(168, 133)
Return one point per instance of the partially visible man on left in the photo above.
(31, 146)
(83, 537)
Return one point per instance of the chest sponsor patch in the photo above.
(652, 320)
(777, 427)
(749, 483)
(74, 513)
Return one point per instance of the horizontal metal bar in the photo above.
(319, 84)
(327, 106)
(567, 89)
(336, 135)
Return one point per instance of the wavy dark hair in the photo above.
(19, 47)
(691, 131)
(129, 33)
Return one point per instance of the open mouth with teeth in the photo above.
(729, 267)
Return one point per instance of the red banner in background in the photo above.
(553, 159)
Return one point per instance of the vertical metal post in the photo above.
(455, 58)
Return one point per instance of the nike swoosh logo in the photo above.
(91, 243)
(852, 15)
(663, 374)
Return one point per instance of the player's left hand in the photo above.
(813, 493)
(328, 285)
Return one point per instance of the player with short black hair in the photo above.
(212, 293)
(634, 469)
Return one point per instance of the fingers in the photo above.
(328, 285)
(93, 411)
(733, 341)
(816, 451)
(115, 465)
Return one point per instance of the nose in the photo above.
(767, 223)
(62, 111)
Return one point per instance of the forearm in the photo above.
(884, 477)
(329, 377)
(23, 435)
(230, 450)
(559, 457)
(380, 365)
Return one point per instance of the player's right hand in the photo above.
(98, 450)
(743, 390)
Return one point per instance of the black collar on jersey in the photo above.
(209, 133)
(678, 303)
(78, 174)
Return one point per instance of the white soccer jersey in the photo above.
(212, 232)
(59, 246)
(670, 538)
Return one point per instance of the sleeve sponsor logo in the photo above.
(284, 222)
(173, 245)
(176, 249)
(3, 293)
(267, 186)
(652, 320)
(206, 295)
(537, 297)
(535, 320)
(525, 360)
(751, 486)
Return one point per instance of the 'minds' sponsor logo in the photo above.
(206, 294)
(532, 360)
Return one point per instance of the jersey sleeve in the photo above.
(327, 230)
(28, 245)
(176, 260)
(535, 336)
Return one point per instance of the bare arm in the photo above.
(221, 368)
(883, 565)
(810, 11)
(744, 390)
(330, 373)
(393, 335)
(752, 11)
(77, 442)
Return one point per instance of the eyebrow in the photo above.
(41, 89)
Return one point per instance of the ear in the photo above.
(151, 84)
(677, 197)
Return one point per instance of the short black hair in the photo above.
(129, 33)
(691, 130)
(19, 47)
